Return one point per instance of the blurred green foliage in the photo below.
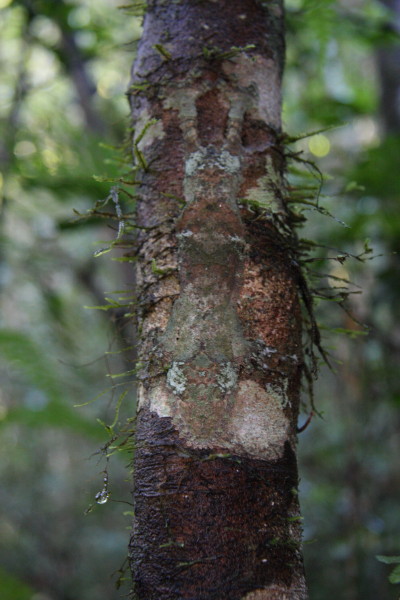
(11, 587)
(348, 460)
(65, 68)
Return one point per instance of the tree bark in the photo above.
(388, 60)
(219, 321)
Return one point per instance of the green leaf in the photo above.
(163, 51)
(302, 136)
(394, 576)
(102, 251)
(140, 158)
(103, 179)
(141, 135)
(388, 560)
(156, 270)
(117, 408)
(106, 427)
(139, 86)
(124, 374)
(129, 259)
(352, 186)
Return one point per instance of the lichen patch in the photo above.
(264, 195)
(261, 196)
(258, 423)
(227, 377)
(263, 76)
(160, 401)
(208, 408)
(279, 393)
(207, 157)
(151, 130)
(176, 378)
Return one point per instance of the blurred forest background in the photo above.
(65, 381)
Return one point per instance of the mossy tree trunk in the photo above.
(215, 476)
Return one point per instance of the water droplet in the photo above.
(102, 497)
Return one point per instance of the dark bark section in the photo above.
(277, 323)
(226, 519)
(388, 59)
(190, 27)
(210, 125)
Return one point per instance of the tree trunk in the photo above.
(216, 507)
(388, 59)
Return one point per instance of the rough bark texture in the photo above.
(388, 59)
(216, 509)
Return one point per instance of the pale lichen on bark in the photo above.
(213, 265)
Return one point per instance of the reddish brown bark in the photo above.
(216, 510)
